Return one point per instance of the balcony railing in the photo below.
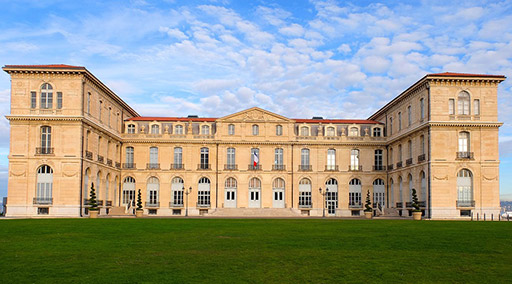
(252, 167)
(173, 204)
(109, 162)
(379, 168)
(399, 165)
(44, 150)
(390, 167)
(204, 167)
(408, 204)
(153, 166)
(355, 205)
(88, 155)
(421, 158)
(177, 166)
(305, 168)
(465, 203)
(108, 203)
(355, 168)
(306, 205)
(408, 161)
(465, 156)
(99, 202)
(129, 165)
(399, 204)
(152, 204)
(100, 159)
(118, 165)
(278, 167)
(230, 167)
(331, 168)
(43, 201)
(202, 205)
(422, 204)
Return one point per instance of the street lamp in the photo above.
(323, 204)
(187, 192)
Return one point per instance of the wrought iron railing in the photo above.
(355, 168)
(355, 205)
(151, 204)
(379, 168)
(330, 168)
(43, 200)
(421, 158)
(399, 165)
(278, 167)
(390, 167)
(408, 161)
(203, 204)
(109, 162)
(88, 155)
(305, 168)
(177, 166)
(100, 159)
(465, 155)
(230, 167)
(173, 204)
(129, 165)
(153, 166)
(204, 167)
(118, 165)
(44, 150)
(252, 167)
(465, 203)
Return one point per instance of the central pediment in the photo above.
(254, 114)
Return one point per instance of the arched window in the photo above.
(46, 96)
(409, 116)
(376, 132)
(153, 189)
(230, 193)
(279, 130)
(392, 193)
(331, 131)
(203, 192)
(278, 190)
(465, 189)
(98, 186)
(255, 130)
(422, 109)
(109, 115)
(87, 177)
(331, 196)
(354, 193)
(44, 185)
(254, 193)
(107, 187)
(155, 129)
(423, 196)
(100, 108)
(354, 131)
(231, 129)
(230, 183)
(379, 193)
(129, 158)
(305, 193)
(178, 129)
(89, 103)
(128, 190)
(411, 186)
(400, 191)
(304, 131)
(331, 160)
(205, 130)
(399, 121)
(354, 160)
(463, 103)
(278, 183)
(177, 192)
(46, 140)
(130, 129)
(254, 183)
(205, 159)
(304, 160)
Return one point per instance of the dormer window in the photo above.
(205, 130)
(178, 129)
(304, 131)
(130, 129)
(155, 129)
(331, 131)
(354, 131)
(376, 132)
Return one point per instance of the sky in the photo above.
(336, 59)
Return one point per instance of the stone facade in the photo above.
(69, 130)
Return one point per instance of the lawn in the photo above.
(254, 251)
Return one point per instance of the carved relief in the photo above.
(18, 170)
(70, 170)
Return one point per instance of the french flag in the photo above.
(255, 159)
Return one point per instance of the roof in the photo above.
(62, 66)
(453, 74)
(212, 119)
(153, 118)
(344, 121)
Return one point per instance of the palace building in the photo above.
(68, 130)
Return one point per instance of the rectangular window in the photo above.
(422, 144)
(129, 155)
(153, 155)
(205, 158)
(178, 157)
(476, 107)
(279, 130)
(255, 157)
(99, 110)
(378, 159)
(304, 157)
(231, 129)
(331, 159)
(390, 126)
(231, 157)
(46, 100)
(422, 109)
(399, 121)
(178, 197)
(278, 157)
(305, 199)
(89, 103)
(409, 116)
(451, 106)
(33, 99)
(399, 153)
(59, 100)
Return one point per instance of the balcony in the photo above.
(331, 168)
(152, 204)
(109, 162)
(278, 167)
(88, 155)
(99, 202)
(44, 150)
(390, 167)
(421, 158)
(177, 166)
(108, 203)
(465, 156)
(306, 205)
(153, 166)
(230, 167)
(305, 168)
(118, 165)
(204, 167)
(355, 168)
(100, 159)
(355, 205)
(129, 165)
(408, 162)
(399, 165)
(43, 201)
(173, 204)
(379, 168)
(466, 203)
(252, 167)
(399, 204)
(203, 205)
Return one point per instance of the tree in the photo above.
(368, 203)
(415, 203)
(139, 200)
(92, 199)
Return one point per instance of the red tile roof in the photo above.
(344, 121)
(151, 118)
(452, 74)
(212, 119)
(45, 66)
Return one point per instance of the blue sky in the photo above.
(337, 59)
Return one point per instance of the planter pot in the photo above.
(93, 214)
(416, 215)
(368, 215)
(138, 213)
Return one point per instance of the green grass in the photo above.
(254, 251)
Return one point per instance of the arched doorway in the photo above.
(254, 193)
(230, 193)
(331, 196)
(278, 193)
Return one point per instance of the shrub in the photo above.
(139, 200)
(415, 203)
(92, 199)
(368, 203)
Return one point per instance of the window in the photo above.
(410, 187)
(463, 103)
(399, 153)
(155, 129)
(476, 107)
(423, 186)
(376, 132)
(391, 156)
(98, 185)
(33, 99)
(331, 131)
(230, 191)
(409, 147)
(178, 129)
(305, 193)
(400, 191)
(422, 141)
(304, 159)
(255, 130)
(231, 158)
(255, 158)
(379, 193)
(464, 141)
(231, 129)
(390, 126)
(399, 121)
(451, 106)
(278, 157)
(131, 128)
(304, 131)
(354, 131)
(153, 188)
(108, 117)
(205, 158)
(177, 192)
(465, 188)
(205, 130)
(46, 140)
(89, 103)
(331, 160)
(203, 192)
(279, 130)
(107, 186)
(99, 110)
(331, 196)
(354, 193)
(46, 96)
(178, 158)
(59, 100)
(128, 191)
(422, 109)
(391, 193)
(378, 160)
(354, 160)
(129, 157)
(44, 185)
(409, 116)
(278, 189)
(153, 157)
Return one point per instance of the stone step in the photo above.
(255, 212)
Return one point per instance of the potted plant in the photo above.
(368, 210)
(139, 210)
(416, 211)
(93, 204)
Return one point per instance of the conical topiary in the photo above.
(139, 200)
(368, 203)
(415, 203)
(92, 199)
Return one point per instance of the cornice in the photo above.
(274, 143)
(40, 117)
(466, 124)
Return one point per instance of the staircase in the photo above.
(119, 212)
(255, 212)
(390, 212)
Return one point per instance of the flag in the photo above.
(255, 159)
